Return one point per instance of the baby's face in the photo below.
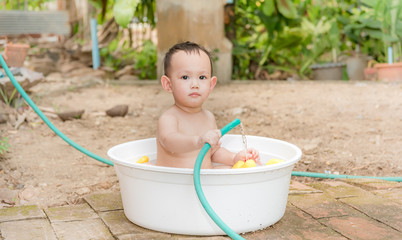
(191, 80)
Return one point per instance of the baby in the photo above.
(185, 127)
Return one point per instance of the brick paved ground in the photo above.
(341, 209)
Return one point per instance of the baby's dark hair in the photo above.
(188, 47)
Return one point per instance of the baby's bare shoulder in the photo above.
(209, 114)
(168, 116)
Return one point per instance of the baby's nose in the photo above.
(194, 83)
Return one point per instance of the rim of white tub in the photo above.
(190, 171)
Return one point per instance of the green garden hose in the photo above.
(334, 176)
(199, 191)
(45, 119)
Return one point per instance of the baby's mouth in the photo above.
(194, 94)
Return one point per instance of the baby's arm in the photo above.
(174, 141)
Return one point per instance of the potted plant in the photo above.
(389, 14)
(356, 24)
(15, 54)
(326, 39)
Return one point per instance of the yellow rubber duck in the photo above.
(245, 164)
(274, 161)
(143, 159)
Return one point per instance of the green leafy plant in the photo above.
(388, 17)
(262, 42)
(8, 99)
(125, 10)
(357, 22)
(315, 45)
(4, 145)
(110, 54)
(145, 61)
(22, 5)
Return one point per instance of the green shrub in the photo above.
(145, 61)
(4, 146)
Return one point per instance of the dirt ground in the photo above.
(352, 128)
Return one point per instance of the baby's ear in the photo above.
(166, 84)
(213, 82)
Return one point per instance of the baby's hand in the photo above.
(251, 154)
(212, 137)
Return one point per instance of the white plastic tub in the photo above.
(164, 198)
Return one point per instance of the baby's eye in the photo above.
(185, 77)
(203, 77)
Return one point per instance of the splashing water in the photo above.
(244, 139)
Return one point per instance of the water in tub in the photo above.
(265, 157)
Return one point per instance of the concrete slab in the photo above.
(320, 205)
(118, 224)
(339, 189)
(71, 213)
(35, 229)
(300, 188)
(361, 227)
(387, 212)
(84, 230)
(393, 195)
(295, 224)
(105, 202)
(341, 211)
(373, 184)
(122, 228)
(20, 213)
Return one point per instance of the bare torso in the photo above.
(187, 124)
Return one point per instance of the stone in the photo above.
(69, 115)
(117, 111)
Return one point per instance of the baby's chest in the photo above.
(195, 127)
